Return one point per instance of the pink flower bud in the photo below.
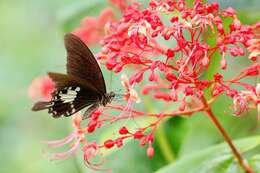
(77, 119)
(174, 95)
(237, 24)
(217, 91)
(229, 12)
(136, 78)
(170, 77)
(220, 28)
(163, 96)
(174, 19)
(95, 115)
(253, 70)
(182, 105)
(223, 62)
(123, 131)
(153, 76)
(109, 143)
(218, 77)
(150, 137)
(118, 68)
(189, 91)
(205, 61)
(92, 126)
(170, 53)
(138, 135)
(150, 151)
(119, 142)
(143, 141)
(111, 63)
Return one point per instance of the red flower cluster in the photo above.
(92, 29)
(168, 46)
(177, 64)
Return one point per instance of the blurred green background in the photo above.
(31, 43)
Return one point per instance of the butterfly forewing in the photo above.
(64, 80)
(82, 63)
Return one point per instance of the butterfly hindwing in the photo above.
(82, 63)
(67, 101)
(69, 97)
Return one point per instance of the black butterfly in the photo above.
(82, 86)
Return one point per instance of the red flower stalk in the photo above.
(172, 70)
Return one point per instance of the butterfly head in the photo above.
(107, 98)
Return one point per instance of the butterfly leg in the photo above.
(90, 110)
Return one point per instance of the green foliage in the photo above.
(215, 159)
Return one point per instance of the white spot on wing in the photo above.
(69, 96)
(77, 89)
(71, 92)
(68, 100)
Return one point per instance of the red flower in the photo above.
(92, 30)
(41, 88)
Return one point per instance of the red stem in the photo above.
(236, 153)
(174, 113)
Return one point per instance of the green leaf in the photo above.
(216, 159)
(255, 162)
(170, 137)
